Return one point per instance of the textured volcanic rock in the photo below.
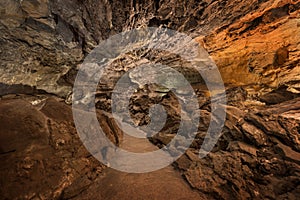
(41, 154)
(278, 95)
(43, 41)
(256, 47)
(262, 47)
(257, 156)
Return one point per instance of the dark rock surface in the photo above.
(257, 156)
(41, 153)
(256, 48)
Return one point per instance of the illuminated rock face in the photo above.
(260, 48)
(43, 41)
(255, 44)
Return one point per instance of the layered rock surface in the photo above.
(44, 41)
(255, 45)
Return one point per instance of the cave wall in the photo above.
(44, 41)
(255, 43)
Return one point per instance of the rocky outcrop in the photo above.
(254, 44)
(257, 156)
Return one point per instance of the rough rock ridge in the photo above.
(254, 43)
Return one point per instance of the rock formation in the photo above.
(255, 44)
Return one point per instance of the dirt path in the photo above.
(162, 184)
